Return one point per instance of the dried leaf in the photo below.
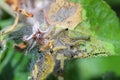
(65, 14)
(16, 5)
(13, 3)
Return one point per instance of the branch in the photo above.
(7, 8)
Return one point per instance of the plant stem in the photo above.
(7, 8)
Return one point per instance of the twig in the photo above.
(11, 28)
(7, 8)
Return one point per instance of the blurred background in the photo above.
(15, 66)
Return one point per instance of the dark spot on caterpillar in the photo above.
(60, 71)
(51, 51)
(39, 51)
(66, 29)
(71, 46)
(43, 71)
(72, 55)
(34, 38)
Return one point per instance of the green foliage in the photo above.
(112, 2)
(95, 67)
(13, 65)
(103, 21)
(105, 24)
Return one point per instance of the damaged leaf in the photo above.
(65, 14)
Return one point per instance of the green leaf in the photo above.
(98, 67)
(103, 21)
(14, 66)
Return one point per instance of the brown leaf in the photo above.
(16, 5)
(13, 3)
(65, 14)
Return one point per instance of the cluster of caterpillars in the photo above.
(60, 47)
